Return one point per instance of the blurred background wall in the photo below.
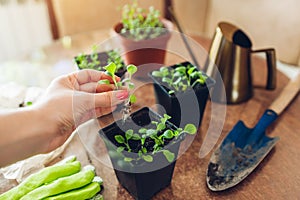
(25, 24)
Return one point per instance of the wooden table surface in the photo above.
(277, 177)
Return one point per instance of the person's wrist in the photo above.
(45, 127)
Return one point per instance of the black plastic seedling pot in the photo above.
(184, 107)
(103, 57)
(141, 179)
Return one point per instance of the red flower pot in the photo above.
(148, 54)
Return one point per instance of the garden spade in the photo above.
(244, 148)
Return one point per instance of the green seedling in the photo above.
(111, 69)
(131, 69)
(139, 23)
(159, 134)
(89, 61)
(92, 61)
(181, 78)
(44, 176)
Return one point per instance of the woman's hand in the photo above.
(69, 101)
(76, 98)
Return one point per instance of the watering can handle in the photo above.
(287, 95)
(271, 64)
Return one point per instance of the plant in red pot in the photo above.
(143, 35)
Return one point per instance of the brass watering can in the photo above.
(230, 63)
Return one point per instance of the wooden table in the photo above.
(277, 177)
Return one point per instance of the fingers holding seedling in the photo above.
(131, 98)
(111, 70)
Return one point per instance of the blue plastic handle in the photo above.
(259, 130)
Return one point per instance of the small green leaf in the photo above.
(177, 81)
(190, 71)
(180, 69)
(140, 153)
(154, 122)
(132, 98)
(105, 81)
(169, 155)
(176, 133)
(136, 137)
(120, 149)
(120, 139)
(171, 92)
(157, 74)
(166, 80)
(148, 158)
(190, 129)
(130, 86)
(131, 69)
(144, 150)
(129, 134)
(151, 132)
(168, 134)
(108, 73)
(127, 159)
(118, 84)
(177, 74)
(142, 130)
(163, 69)
(28, 103)
(166, 116)
(161, 126)
(111, 68)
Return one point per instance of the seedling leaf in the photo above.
(136, 137)
(127, 159)
(142, 130)
(132, 98)
(169, 155)
(157, 74)
(161, 126)
(129, 134)
(168, 134)
(148, 158)
(120, 149)
(111, 68)
(120, 139)
(131, 86)
(131, 69)
(190, 129)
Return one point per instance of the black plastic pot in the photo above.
(141, 179)
(184, 107)
(103, 57)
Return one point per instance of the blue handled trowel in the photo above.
(244, 148)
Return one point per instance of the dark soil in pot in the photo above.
(184, 107)
(140, 178)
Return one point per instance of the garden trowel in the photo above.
(244, 148)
